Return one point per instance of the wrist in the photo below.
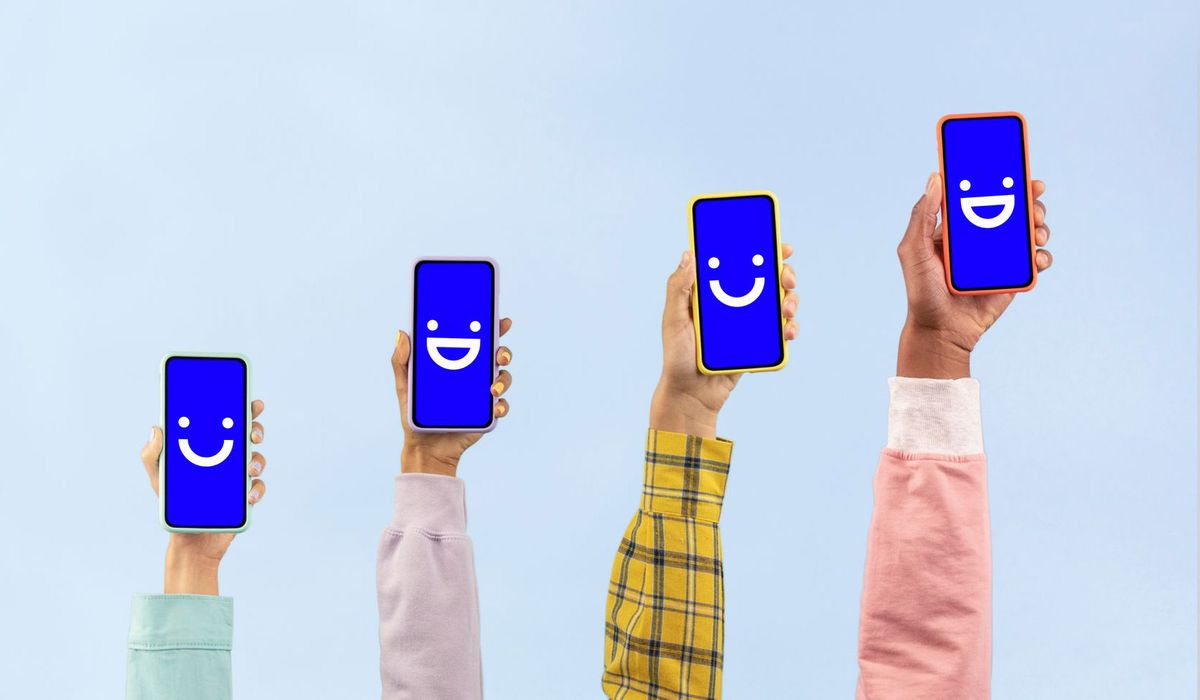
(188, 571)
(416, 460)
(680, 412)
(931, 353)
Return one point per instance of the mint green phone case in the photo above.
(162, 455)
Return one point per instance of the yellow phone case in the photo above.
(696, 279)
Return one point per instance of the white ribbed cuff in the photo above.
(935, 416)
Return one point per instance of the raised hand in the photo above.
(438, 453)
(942, 328)
(685, 400)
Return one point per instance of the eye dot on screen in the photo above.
(475, 326)
(432, 325)
(227, 422)
(184, 422)
(713, 263)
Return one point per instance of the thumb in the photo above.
(150, 452)
(918, 238)
(678, 308)
(400, 357)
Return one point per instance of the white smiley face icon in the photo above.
(201, 461)
(436, 345)
(745, 299)
(1006, 201)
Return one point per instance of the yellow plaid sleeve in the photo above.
(665, 616)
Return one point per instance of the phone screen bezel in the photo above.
(1031, 274)
(495, 321)
(165, 476)
(782, 355)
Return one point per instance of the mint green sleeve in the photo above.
(179, 648)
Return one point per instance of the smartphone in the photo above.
(203, 469)
(455, 333)
(987, 218)
(737, 303)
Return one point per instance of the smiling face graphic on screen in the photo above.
(185, 446)
(1004, 201)
(435, 345)
(745, 299)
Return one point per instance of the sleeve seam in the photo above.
(934, 456)
(428, 534)
(677, 516)
(166, 646)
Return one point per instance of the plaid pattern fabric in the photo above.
(665, 617)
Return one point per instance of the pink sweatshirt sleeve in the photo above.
(428, 604)
(926, 622)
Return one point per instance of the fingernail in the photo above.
(151, 434)
(254, 496)
(398, 333)
(255, 468)
(501, 409)
(931, 185)
(257, 434)
(497, 388)
(506, 356)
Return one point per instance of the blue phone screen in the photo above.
(204, 482)
(453, 302)
(987, 208)
(737, 276)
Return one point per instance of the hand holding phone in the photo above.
(447, 379)
(685, 399)
(738, 304)
(987, 213)
(942, 328)
(193, 558)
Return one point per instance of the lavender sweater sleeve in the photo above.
(428, 605)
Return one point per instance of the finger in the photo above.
(501, 409)
(150, 452)
(256, 432)
(1041, 235)
(679, 292)
(788, 277)
(790, 302)
(503, 381)
(787, 250)
(1039, 213)
(400, 360)
(258, 489)
(256, 408)
(1044, 260)
(503, 356)
(257, 463)
(791, 329)
(505, 324)
(921, 225)
(1039, 188)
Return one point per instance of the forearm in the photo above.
(677, 412)
(932, 354)
(428, 606)
(925, 628)
(664, 618)
(187, 572)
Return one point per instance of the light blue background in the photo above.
(143, 146)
